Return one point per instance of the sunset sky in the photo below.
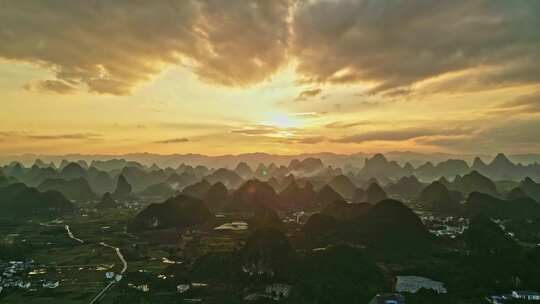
(277, 76)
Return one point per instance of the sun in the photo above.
(282, 121)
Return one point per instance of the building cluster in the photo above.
(445, 226)
(274, 292)
(412, 284)
(13, 274)
(516, 295)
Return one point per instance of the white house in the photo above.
(526, 295)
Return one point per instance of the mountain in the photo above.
(474, 182)
(181, 211)
(326, 196)
(437, 197)
(294, 197)
(485, 236)
(345, 211)
(106, 202)
(390, 228)
(531, 188)
(261, 172)
(20, 201)
(492, 207)
(339, 274)
(320, 229)
(267, 252)
(36, 175)
(73, 171)
(244, 170)
(76, 189)
(306, 167)
(197, 190)
(229, 178)
(407, 186)
(516, 193)
(179, 181)
(375, 194)
(265, 218)
(344, 186)
(252, 195)
(161, 190)
(359, 196)
(379, 167)
(123, 188)
(216, 196)
(100, 181)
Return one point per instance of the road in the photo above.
(102, 293)
(71, 236)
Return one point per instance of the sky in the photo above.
(281, 76)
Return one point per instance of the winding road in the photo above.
(102, 293)
(71, 236)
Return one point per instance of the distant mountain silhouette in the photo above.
(252, 195)
(516, 193)
(474, 182)
(123, 188)
(379, 167)
(492, 207)
(107, 202)
(181, 211)
(73, 171)
(19, 201)
(244, 170)
(531, 188)
(197, 190)
(344, 186)
(162, 190)
(327, 195)
(229, 178)
(294, 197)
(359, 196)
(375, 194)
(407, 186)
(437, 197)
(389, 227)
(180, 181)
(216, 196)
(76, 189)
(306, 166)
(100, 181)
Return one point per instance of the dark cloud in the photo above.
(172, 141)
(398, 135)
(63, 136)
(307, 94)
(310, 140)
(395, 44)
(111, 46)
(50, 86)
(346, 125)
(257, 130)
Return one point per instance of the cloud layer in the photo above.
(112, 46)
